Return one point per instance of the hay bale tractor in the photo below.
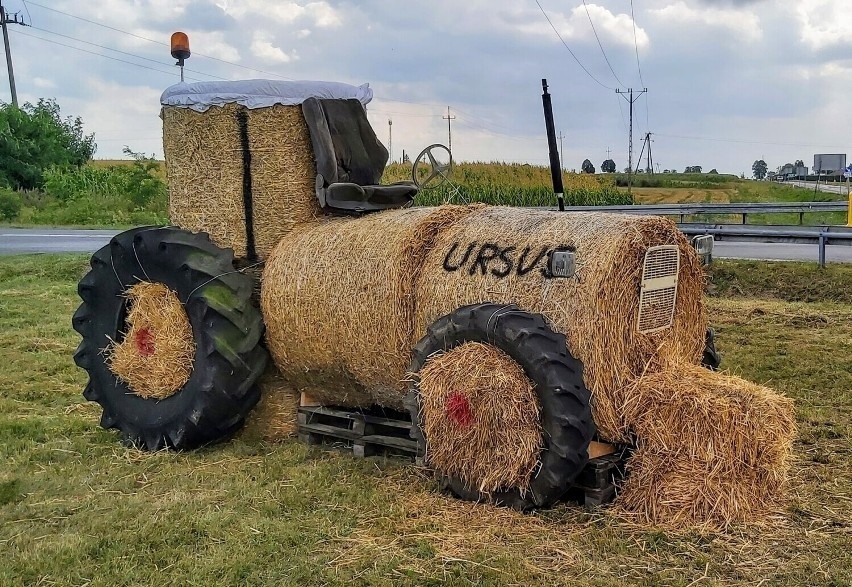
(522, 343)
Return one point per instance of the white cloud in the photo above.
(743, 23)
(213, 43)
(611, 28)
(824, 22)
(321, 14)
(262, 47)
(303, 33)
(43, 83)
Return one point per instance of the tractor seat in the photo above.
(350, 159)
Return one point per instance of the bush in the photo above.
(10, 204)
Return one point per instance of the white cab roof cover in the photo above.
(259, 93)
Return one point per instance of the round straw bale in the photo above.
(338, 301)
(711, 448)
(155, 357)
(481, 416)
(497, 255)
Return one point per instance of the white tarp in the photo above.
(259, 93)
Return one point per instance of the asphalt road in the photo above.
(54, 240)
(832, 188)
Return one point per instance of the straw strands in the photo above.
(205, 172)
(481, 417)
(498, 254)
(275, 416)
(338, 301)
(156, 355)
(711, 448)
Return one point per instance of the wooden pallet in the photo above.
(368, 433)
(365, 434)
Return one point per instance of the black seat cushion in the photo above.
(350, 159)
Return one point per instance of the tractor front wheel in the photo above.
(171, 339)
(492, 383)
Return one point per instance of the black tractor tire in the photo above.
(564, 400)
(226, 327)
(711, 357)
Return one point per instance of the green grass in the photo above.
(77, 508)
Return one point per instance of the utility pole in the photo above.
(390, 139)
(608, 153)
(4, 20)
(630, 100)
(449, 120)
(561, 152)
(649, 167)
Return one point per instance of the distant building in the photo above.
(829, 163)
(790, 171)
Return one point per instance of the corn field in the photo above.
(512, 184)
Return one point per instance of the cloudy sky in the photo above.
(729, 81)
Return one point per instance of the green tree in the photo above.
(587, 167)
(758, 169)
(608, 166)
(35, 137)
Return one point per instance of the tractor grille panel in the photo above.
(658, 294)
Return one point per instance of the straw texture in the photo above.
(596, 310)
(338, 301)
(155, 357)
(481, 417)
(711, 448)
(275, 416)
(205, 173)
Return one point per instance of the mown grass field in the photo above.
(77, 508)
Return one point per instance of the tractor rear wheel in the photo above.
(565, 415)
(226, 358)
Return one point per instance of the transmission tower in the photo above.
(628, 95)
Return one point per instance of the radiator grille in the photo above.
(658, 293)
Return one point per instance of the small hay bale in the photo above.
(338, 302)
(712, 448)
(481, 416)
(156, 354)
(497, 255)
(275, 417)
(204, 158)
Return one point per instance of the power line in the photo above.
(601, 46)
(583, 67)
(636, 44)
(121, 52)
(158, 42)
(99, 54)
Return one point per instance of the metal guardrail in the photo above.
(743, 209)
(819, 235)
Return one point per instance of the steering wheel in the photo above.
(437, 165)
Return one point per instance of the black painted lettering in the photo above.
(448, 261)
(486, 253)
(522, 269)
(507, 261)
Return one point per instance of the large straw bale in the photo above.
(338, 301)
(156, 354)
(711, 448)
(597, 310)
(205, 172)
(481, 417)
(275, 417)
(204, 167)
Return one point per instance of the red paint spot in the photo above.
(458, 409)
(144, 341)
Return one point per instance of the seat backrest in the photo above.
(345, 147)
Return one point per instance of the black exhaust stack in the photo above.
(555, 168)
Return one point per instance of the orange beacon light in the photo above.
(180, 49)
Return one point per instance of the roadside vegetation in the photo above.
(77, 508)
